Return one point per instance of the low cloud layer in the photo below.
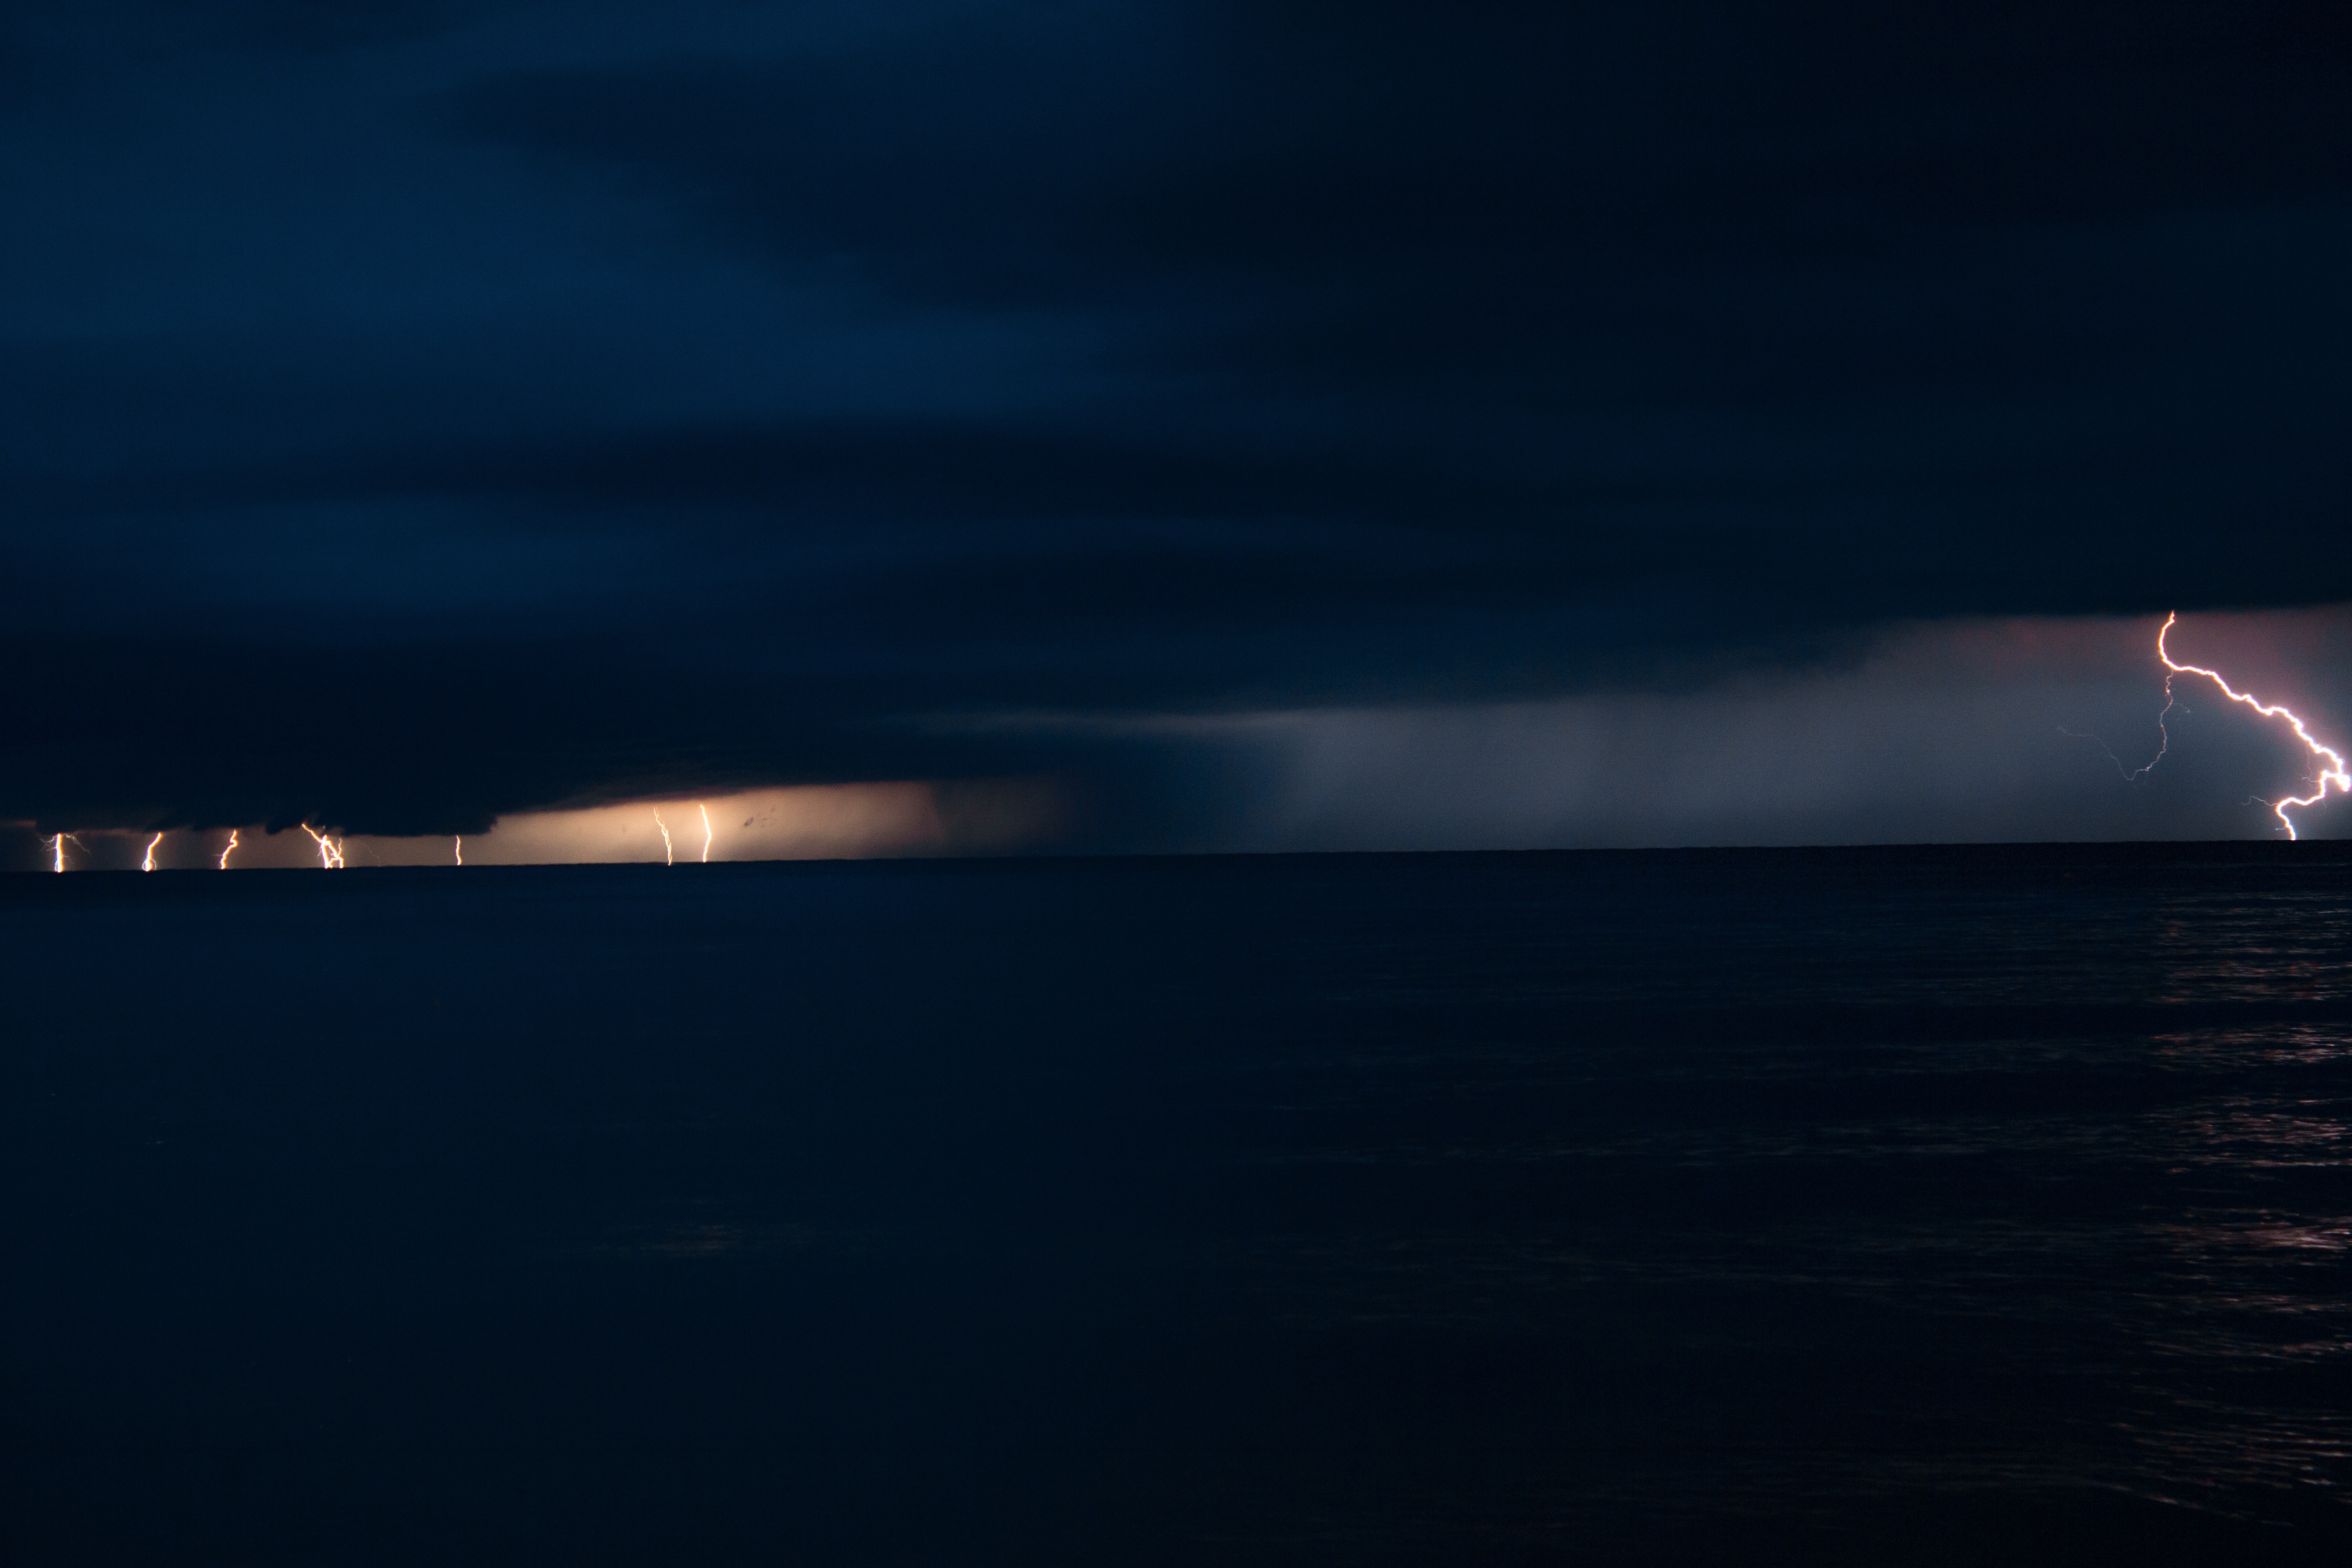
(1974, 732)
(1955, 733)
(829, 822)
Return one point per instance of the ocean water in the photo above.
(1836, 1206)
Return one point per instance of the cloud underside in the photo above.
(466, 410)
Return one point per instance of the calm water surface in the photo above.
(1811, 1206)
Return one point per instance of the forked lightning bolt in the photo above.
(705, 831)
(229, 849)
(330, 849)
(2332, 775)
(667, 857)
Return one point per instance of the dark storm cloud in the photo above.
(450, 408)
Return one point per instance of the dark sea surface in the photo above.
(1821, 1206)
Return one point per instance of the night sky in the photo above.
(1252, 426)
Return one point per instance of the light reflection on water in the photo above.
(2081, 1147)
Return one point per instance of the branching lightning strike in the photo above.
(57, 851)
(330, 848)
(705, 831)
(668, 858)
(2333, 774)
(229, 849)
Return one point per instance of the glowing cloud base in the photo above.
(819, 821)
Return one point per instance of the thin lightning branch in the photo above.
(705, 831)
(2163, 736)
(330, 849)
(229, 849)
(2164, 743)
(149, 863)
(2129, 775)
(667, 857)
(2334, 774)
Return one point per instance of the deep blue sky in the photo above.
(410, 413)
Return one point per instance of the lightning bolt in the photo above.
(2333, 774)
(330, 849)
(705, 831)
(57, 851)
(229, 849)
(461, 847)
(668, 858)
(149, 863)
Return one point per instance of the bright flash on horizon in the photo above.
(330, 848)
(797, 822)
(2333, 774)
(149, 863)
